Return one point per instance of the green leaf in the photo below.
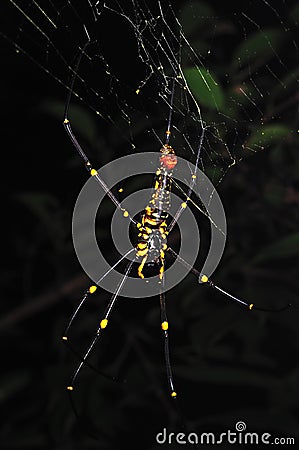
(294, 14)
(205, 88)
(193, 15)
(82, 121)
(286, 82)
(284, 248)
(267, 135)
(260, 45)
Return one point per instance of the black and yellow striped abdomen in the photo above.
(152, 237)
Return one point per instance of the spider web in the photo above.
(235, 72)
(138, 49)
(136, 52)
(231, 74)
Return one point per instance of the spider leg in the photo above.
(191, 184)
(165, 334)
(165, 326)
(202, 278)
(103, 325)
(74, 140)
(93, 172)
(91, 290)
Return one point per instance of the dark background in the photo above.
(229, 364)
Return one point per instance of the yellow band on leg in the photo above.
(164, 326)
(104, 323)
(92, 289)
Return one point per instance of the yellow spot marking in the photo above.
(184, 205)
(173, 394)
(162, 254)
(148, 209)
(64, 338)
(139, 225)
(142, 252)
(93, 172)
(103, 323)
(150, 221)
(158, 172)
(126, 214)
(161, 272)
(121, 190)
(164, 326)
(164, 246)
(163, 235)
(157, 185)
(70, 388)
(145, 236)
(66, 121)
(137, 91)
(141, 245)
(168, 132)
(194, 177)
(148, 230)
(251, 306)
(92, 289)
(204, 279)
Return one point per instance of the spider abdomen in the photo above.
(152, 241)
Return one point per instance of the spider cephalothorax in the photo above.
(168, 159)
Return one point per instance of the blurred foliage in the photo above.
(229, 364)
(204, 86)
